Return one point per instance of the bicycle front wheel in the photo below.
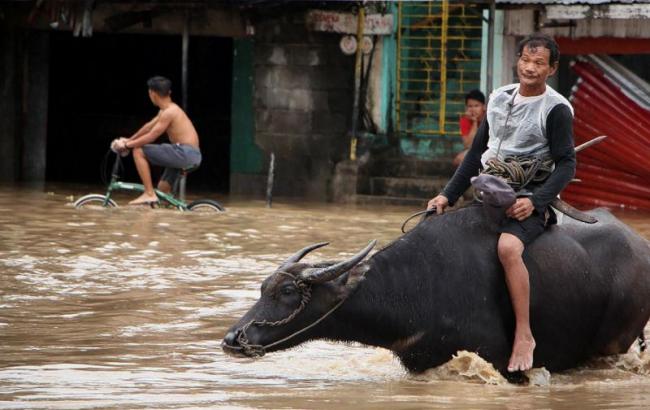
(206, 205)
(94, 201)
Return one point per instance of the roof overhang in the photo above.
(611, 11)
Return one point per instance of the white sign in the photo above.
(334, 22)
(366, 45)
(348, 45)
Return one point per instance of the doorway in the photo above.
(98, 92)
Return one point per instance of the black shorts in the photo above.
(527, 230)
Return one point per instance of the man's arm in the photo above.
(145, 128)
(470, 166)
(559, 126)
(159, 127)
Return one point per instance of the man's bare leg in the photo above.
(510, 253)
(142, 165)
(164, 186)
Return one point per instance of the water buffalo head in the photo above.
(294, 299)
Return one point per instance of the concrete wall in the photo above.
(303, 102)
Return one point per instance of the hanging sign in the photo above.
(366, 45)
(348, 45)
(346, 23)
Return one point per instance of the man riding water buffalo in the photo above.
(525, 120)
(439, 288)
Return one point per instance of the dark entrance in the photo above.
(98, 92)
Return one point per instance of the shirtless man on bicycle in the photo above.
(183, 152)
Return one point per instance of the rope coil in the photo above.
(519, 171)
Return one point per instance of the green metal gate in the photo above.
(438, 62)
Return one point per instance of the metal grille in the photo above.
(439, 61)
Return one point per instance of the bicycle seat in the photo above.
(189, 169)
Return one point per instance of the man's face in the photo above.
(533, 67)
(474, 109)
(152, 97)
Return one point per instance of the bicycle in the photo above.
(175, 199)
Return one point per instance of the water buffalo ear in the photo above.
(352, 279)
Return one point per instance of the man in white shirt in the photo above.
(527, 119)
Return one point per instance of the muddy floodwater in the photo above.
(126, 308)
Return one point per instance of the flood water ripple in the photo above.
(126, 308)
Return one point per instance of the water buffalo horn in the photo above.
(589, 143)
(331, 272)
(301, 254)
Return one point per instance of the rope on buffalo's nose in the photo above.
(260, 350)
(248, 348)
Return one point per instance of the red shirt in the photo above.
(465, 125)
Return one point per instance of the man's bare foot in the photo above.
(144, 199)
(521, 358)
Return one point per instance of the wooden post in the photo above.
(357, 83)
(489, 80)
(186, 45)
(269, 182)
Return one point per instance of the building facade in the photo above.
(284, 78)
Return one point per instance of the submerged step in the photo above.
(415, 203)
(407, 167)
(425, 188)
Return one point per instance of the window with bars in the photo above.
(439, 61)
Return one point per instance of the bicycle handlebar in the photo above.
(116, 165)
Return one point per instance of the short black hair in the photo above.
(160, 85)
(541, 40)
(475, 95)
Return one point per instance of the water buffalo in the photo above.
(440, 288)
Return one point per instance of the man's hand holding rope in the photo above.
(439, 203)
(521, 209)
